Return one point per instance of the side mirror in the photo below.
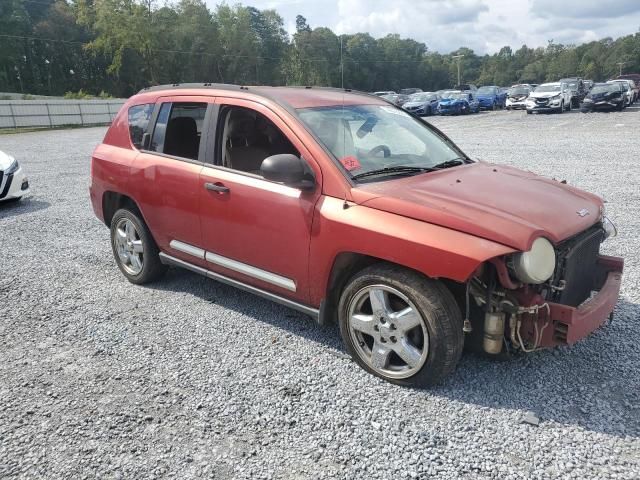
(289, 170)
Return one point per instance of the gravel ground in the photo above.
(189, 378)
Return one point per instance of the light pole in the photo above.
(458, 57)
(620, 64)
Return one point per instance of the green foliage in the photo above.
(79, 95)
(117, 47)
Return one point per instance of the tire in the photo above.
(561, 108)
(130, 238)
(529, 112)
(433, 344)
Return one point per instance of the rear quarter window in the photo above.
(139, 116)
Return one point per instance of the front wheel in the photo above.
(134, 249)
(401, 326)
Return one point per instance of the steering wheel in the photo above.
(386, 151)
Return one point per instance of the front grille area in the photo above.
(542, 101)
(576, 266)
(5, 184)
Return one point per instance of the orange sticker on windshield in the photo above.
(350, 163)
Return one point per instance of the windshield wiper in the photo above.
(399, 169)
(448, 164)
(392, 170)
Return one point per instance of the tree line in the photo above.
(117, 47)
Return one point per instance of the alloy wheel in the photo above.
(129, 246)
(388, 332)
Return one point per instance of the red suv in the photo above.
(345, 207)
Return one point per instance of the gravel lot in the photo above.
(189, 378)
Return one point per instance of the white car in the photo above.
(517, 96)
(550, 97)
(13, 182)
(628, 87)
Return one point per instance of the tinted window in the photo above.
(139, 116)
(178, 129)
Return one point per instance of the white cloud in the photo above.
(483, 25)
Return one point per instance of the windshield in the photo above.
(365, 138)
(548, 88)
(461, 96)
(450, 94)
(486, 90)
(518, 91)
(422, 97)
(604, 89)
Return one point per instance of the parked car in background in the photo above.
(636, 80)
(604, 96)
(396, 99)
(410, 91)
(356, 214)
(578, 90)
(383, 93)
(458, 103)
(630, 89)
(491, 97)
(550, 97)
(517, 97)
(422, 104)
(465, 86)
(13, 182)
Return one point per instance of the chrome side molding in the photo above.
(176, 262)
(245, 269)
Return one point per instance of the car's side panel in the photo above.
(110, 167)
(436, 251)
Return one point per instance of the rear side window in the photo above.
(178, 129)
(139, 116)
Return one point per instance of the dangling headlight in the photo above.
(537, 265)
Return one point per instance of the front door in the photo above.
(254, 230)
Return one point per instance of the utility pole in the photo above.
(620, 64)
(341, 63)
(458, 57)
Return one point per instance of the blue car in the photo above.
(458, 103)
(491, 97)
(422, 104)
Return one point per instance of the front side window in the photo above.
(139, 116)
(371, 138)
(178, 129)
(246, 138)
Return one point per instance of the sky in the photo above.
(483, 25)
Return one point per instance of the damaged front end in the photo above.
(549, 296)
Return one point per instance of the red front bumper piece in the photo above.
(570, 324)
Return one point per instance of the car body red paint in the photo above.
(447, 224)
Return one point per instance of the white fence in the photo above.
(56, 113)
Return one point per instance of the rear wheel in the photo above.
(134, 249)
(401, 326)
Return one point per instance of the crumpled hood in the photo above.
(447, 102)
(518, 98)
(544, 94)
(5, 161)
(415, 104)
(495, 202)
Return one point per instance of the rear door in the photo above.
(166, 172)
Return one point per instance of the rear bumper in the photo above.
(569, 324)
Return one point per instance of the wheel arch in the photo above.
(114, 201)
(347, 264)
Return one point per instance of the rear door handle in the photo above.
(216, 187)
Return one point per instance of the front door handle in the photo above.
(216, 187)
